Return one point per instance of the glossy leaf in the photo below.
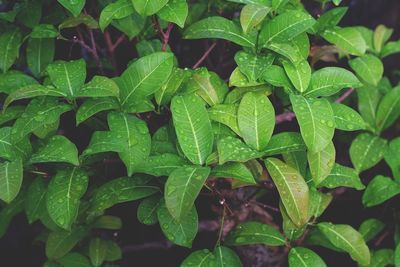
(74, 259)
(182, 188)
(97, 251)
(11, 175)
(379, 190)
(370, 228)
(346, 118)
(93, 106)
(388, 109)
(148, 7)
(147, 210)
(117, 10)
(321, 163)
(99, 86)
(108, 222)
(57, 149)
(233, 149)
(292, 189)
(366, 151)
(285, 142)
(330, 19)
(12, 80)
(61, 242)
(347, 39)
(234, 170)
(35, 202)
(343, 176)
(10, 42)
(368, 100)
(256, 120)
(175, 11)
(318, 202)
(369, 68)
(252, 65)
(39, 54)
(199, 258)
(392, 157)
(225, 114)
(304, 257)
(172, 86)
(226, 257)
(161, 165)
(13, 151)
(252, 15)
(74, 6)
(44, 31)
(193, 127)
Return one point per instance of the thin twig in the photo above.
(110, 49)
(345, 95)
(221, 228)
(165, 36)
(204, 56)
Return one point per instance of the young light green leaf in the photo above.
(346, 238)
(180, 232)
(330, 19)
(225, 114)
(93, 106)
(193, 127)
(252, 65)
(369, 68)
(63, 196)
(255, 233)
(252, 15)
(256, 120)
(347, 39)
(238, 79)
(379, 190)
(175, 11)
(161, 165)
(39, 54)
(199, 258)
(285, 27)
(73, 6)
(316, 120)
(346, 118)
(366, 151)
(321, 163)
(304, 257)
(148, 7)
(285, 142)
(97, 251)
(182, 188)
(289, 50)
(390, 48)
(299, 74)
(234, 96)
(218, 27)
(226, 257)
(99, 86)
(121, 190)
(381, 36)
(10, 42)
(68, 76)
(342, 176)
(172, 86)
(59, 243)
(57, 149)
(330, 80)
(233, 149)
(370, 228)
(11, 175)
(234, 170)
(144, 77)
(388, 109)
(292, 189)
(117, 10)
(147, 210)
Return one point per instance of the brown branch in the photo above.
(204, 56)
(110, 49)
(345, 95)
(165, 36)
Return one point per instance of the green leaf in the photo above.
(99, 86)
(256, 120)
(10, 42)
(285, 142)
(57, 149)
(225, 114)
(388, 109)
(347, 39)
(370, 228)
(63, 196)
(208, 86)
(292, 188)
(234, 170)
(175, 11)
(74, 259)
(252, 15)
(108, 222)
(330, 19)
(318, 202)
(199, 258)
(193, 127)
(44, 31)
(288, 50)
(342, 176)
(330, 80)
(238, 79)
(61, 242)
(255, 233)
(381, 36)
(346, 118)
(321, 163)
(285, 27)
(97, 251)
(114, 251)
(346, 238)
(35, 202)
(131, 25)
(147, 210)
(366, 151)
(218, 27)
(397, 255)
(13, 151)
(85, 19)
(226, 257)
(8, 212)
(382, 258)
(380, 189)
(316, 120)
(297, 160)
(161, 165)
(38, 113)
(276, 76)
(369, 68)
(392, 157)
(390, 48)
(144, 77)
(252, 65)
(93, 106)
(117, 10)
(39, 54)
(368, 99)
(233, 149)
(304, 257)
(182, 188)
(181, 233)
(234, 96)
(128, 135)
(148, 7)
(74, 6)
(11, 175)
(175, 82)
(68, 76)
(12, 80)
(299, 74)
(121, 190)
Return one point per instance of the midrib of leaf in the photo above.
(285, 29)
(221, 260)
(366, 151)
(263, 235)
(256, 124)
(69, 191)
(185, 190)
(173, 11)
(340, 37)
(368, 69)
(68, 80)
(289, 189)
(299, 257)
(302, 89)
(129, 140)
(390, 110)
(209, 93)
(196, 141)
(7, 50)
(39, 53)
(228, 32)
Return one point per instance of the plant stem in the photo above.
(221, 228)
(204, 56)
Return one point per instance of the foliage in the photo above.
(215, 129)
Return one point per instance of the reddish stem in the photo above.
(204, 56)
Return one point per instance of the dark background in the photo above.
(145, 245)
